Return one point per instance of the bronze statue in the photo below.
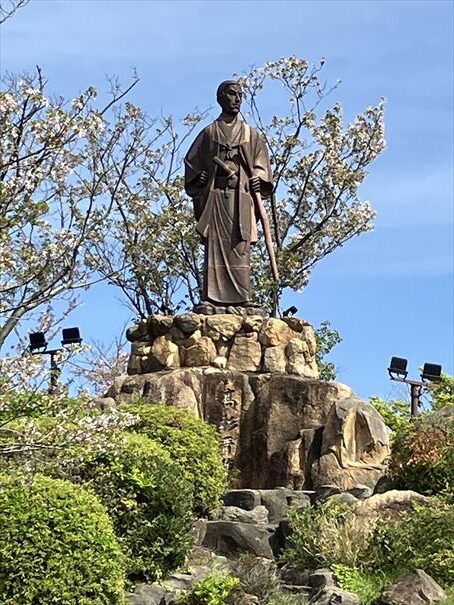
(227, 173)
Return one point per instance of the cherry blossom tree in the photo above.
(319, 165)
(61, 168)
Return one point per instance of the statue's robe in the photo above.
(224, 208)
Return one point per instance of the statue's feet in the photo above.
(206, 307)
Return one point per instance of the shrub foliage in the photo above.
(192, 444)
(211, 591)
(57, 546)
(424, 538)
(422, 457)
(325, 534)
(149, 501)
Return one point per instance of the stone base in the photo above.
(255, 378)
(240, 340)
(276, 430)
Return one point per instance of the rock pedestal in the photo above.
(226, 341)
(256, 379)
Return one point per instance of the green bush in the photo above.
(442, 392)
(325, 534)
(367, 586)
(422, 456)
(57, 546)
(211, 591)
(192, 443)
(395, 412)
(150, 503)
(449, 600)
(423, 538)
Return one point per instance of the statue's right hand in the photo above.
(203, 178)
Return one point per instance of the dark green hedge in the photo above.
(149, 501)
(193, 445)
(57, 545)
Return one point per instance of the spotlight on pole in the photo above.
(290, 311)
(71, 336)
(431, 372)
(37, 341)
(398, 367)
(38, 346)
(398, 371)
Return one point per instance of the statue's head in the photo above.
(229, 96)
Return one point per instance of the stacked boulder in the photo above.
(225, 341)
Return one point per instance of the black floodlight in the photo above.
(431, 372)
(71, 336)
(37, 341)
(290, 311)
(398, 366)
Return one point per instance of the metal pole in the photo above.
(415, 390)
(54, 372)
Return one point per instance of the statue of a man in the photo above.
(226, 167)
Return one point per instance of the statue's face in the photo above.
(230, 99)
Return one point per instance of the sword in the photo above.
(263, 218)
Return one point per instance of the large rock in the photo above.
(225, 326)
(275, 360)
(188, 322)
(137, 331)
(260, 416)
(285, 405)
(246, 499)
(355, 446)
(336, 596)
(181, 388)
(235, 539)
(391, 504)
(159, 325)
(258, 515)
(275, 332)
(300, 359)
(413, 588)
(165, 352)
(297, 458)
(146, 594)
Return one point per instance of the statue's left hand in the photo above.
(254, 184)
(203, 178)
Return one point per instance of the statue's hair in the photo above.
(223, 85)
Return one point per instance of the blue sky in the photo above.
(389, 292)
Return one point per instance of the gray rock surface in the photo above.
(258, 515)
(320, 579)
(234, 539)
(149, 595)
(335, 596)
(391, 504)
(413, 588)
(361, 491)
(354, 448)
(247, 499)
